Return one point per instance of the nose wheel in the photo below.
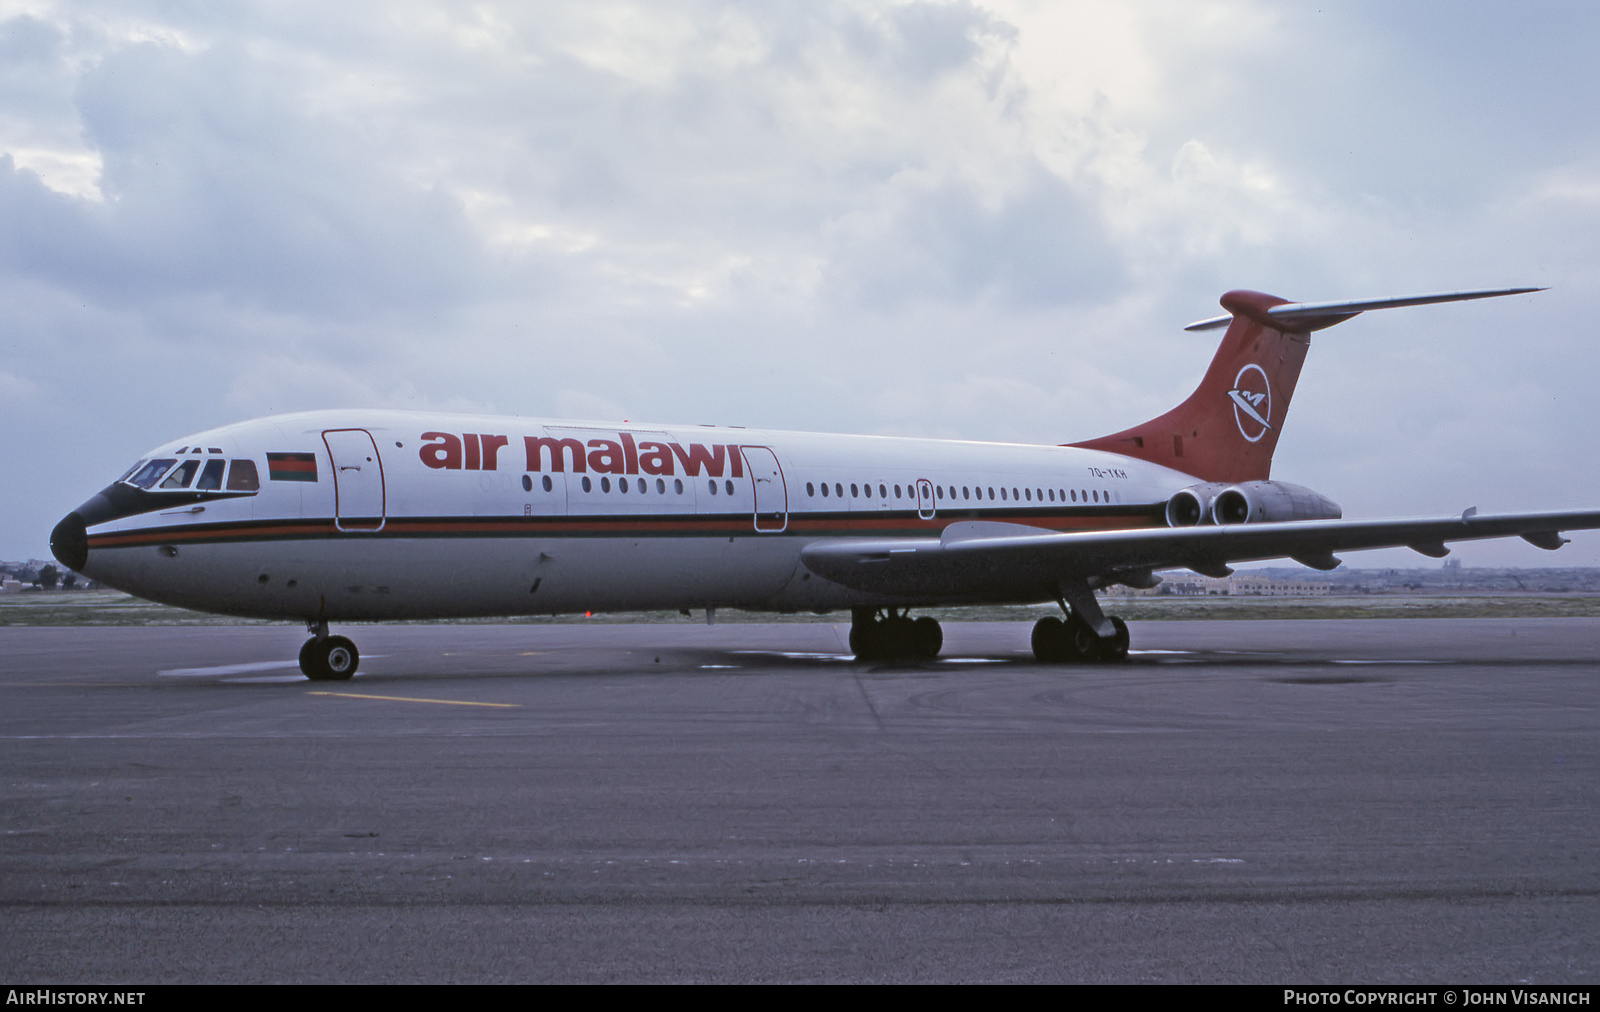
(329, 659)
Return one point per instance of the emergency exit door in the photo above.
(772, 496)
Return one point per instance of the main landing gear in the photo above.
(1058, 642)
(893, 635)
(1086, 635)
(326, 658)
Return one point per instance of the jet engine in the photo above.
(1266, 501)
(1192, 505)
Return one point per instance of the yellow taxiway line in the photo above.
(412, 699)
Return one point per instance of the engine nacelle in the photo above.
(1266, 501)
(1192, 505)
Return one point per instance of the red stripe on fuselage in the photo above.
(726, 525)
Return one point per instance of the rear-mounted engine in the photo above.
(1248, 502)
(1192, 505)
(1257, 502)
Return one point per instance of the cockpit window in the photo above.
(243, 477)
(129, 472)
(182, 475)
(211, 477)
(150, 472)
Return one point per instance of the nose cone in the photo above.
(69, 542)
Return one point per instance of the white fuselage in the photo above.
(390, 515)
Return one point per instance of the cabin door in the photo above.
(772, 496)
(357, 479)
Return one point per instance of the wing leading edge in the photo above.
(974, 561)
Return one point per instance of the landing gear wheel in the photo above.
(900, 638)
(894, 637)
(333, 659)
(1082, 643)
(1058, 642)
(1115, 646)
(927, 638)
(1048, 640)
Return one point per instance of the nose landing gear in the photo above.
(326, 658)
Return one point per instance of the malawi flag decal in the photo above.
(292, 466)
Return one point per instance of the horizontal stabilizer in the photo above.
(1292, 313)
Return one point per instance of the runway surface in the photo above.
(1307, 802)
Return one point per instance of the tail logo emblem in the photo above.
(1252, 402)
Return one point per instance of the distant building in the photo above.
(1259, 585)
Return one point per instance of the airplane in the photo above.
(339, 516)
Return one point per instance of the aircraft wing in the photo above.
(982, 559)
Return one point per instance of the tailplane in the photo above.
(1227, 429)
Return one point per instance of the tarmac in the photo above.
(1306, 802)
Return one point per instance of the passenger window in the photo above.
(897, 491)
(883, 492)
(242, 477)
(964, 494)
(587, 487)
(151, 471)
(1029, 493)
(938, 491)
(182, 475)
(211, 477)
(838, 489)
(605, 484)
(811, 489)
(661, 486)
(728, 486)
(545, 481)
(622, 484)
(1002, 494)
(677, 485)
(712, 485)
(854, 492)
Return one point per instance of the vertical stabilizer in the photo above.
(1228, 428)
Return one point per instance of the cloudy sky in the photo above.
(972, 219)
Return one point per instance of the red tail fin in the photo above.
(1228, 428)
